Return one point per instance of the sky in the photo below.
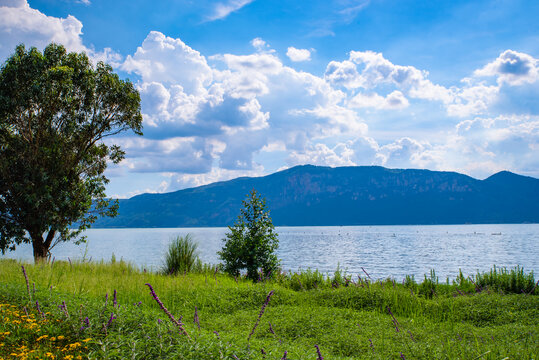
(235, 88)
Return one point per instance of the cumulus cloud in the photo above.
(298, 55)
(394, 100)
(192, 155)
(512, 67)
(223, 9)
(19, 23)
(169, 61)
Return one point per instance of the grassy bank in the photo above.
(71, 311)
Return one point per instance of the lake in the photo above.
(383, 251)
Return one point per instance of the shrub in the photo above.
(181, 256)
(251, 243)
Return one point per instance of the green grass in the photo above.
(479, 319)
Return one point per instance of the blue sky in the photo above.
(248, 87)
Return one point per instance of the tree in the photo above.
(55, 110)
(252, 241)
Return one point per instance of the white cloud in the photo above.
(223, 9)
(472, 100)
(260, 45)
(169, 61)
(394, 100)
(343, 74)
(298, 55)
(512, 67)
(19, 23)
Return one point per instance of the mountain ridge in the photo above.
(309, 195)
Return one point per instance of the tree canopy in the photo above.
(252, 241)
(55, 110)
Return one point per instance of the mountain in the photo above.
(362, 195)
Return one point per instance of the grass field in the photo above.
(106, 311)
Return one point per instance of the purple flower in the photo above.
(402, 356)
(318, 352)
(39, 310)
(372, 345)
(85, 324)
(196, 320)
(109, 323)
(366, 273)
(271, 329)
(261, 313)
(64, 308)
(26, 278)
(165, 310)
(216, 334)
(284, 356)
(395, 321)
(114, 299)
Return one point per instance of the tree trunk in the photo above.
(41, 252)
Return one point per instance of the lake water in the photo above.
(383, 251)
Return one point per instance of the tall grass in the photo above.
(346, 318)
(181, 256)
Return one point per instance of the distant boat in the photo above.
(498, 233)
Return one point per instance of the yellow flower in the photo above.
(42, 337)
(86, 340)
(53, 339)
(68, 357)
(74, 346)
(61, 337)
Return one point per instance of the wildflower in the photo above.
(64, 308)
(27, 282)
(372, 345)
(366, 273)
(284, 356)
(114, 300)
(74, 345)
(395, 321)
(261, 313)
(52, 339)
(61, 337)
(165, 310)
(196, 320)
(86, 340)
(110, 319)
(318, 352)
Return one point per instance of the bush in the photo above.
(181, 256)
(251, 243)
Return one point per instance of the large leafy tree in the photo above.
(252, 241)
(55, 110)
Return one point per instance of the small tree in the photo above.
(55, 110)
(252, 241)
